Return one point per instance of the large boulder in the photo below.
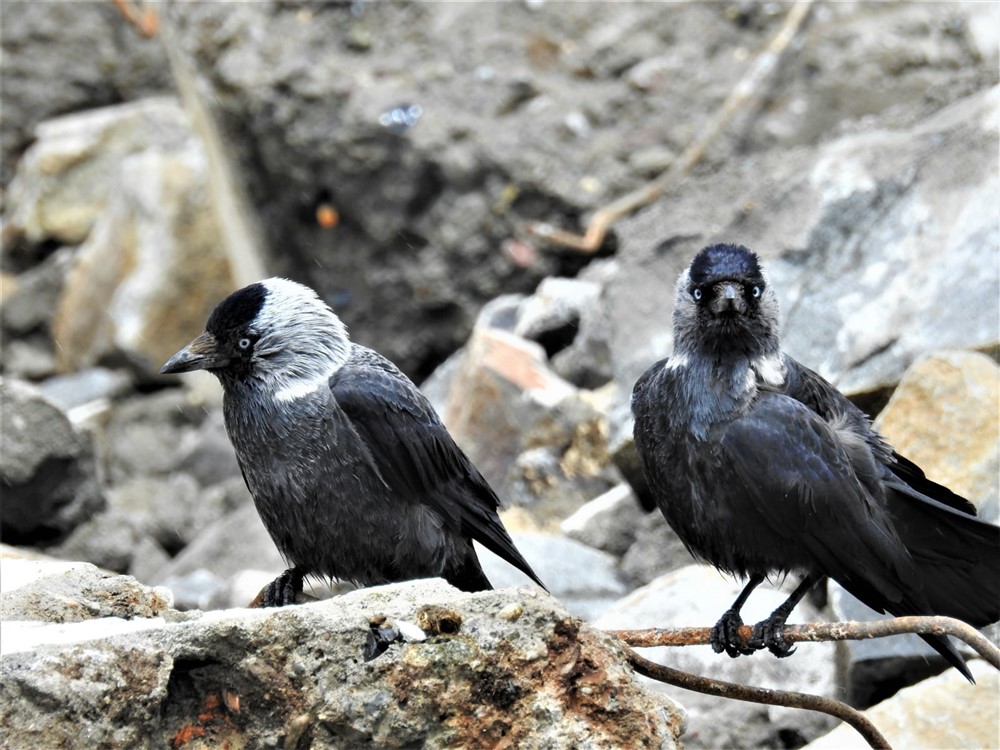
(131, 184)
(415, 664)
(48, 468)
(866, 238)
(61, 58)
(944, 416)
(539, 440)
(944, 711)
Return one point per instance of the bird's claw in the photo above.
(769, 634)
(283, 590)
(726, 636)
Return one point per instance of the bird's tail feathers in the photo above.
(957, 556)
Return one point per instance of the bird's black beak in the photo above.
(201, 354)
(728, 298)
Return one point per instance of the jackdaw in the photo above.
(762, 468)
(351, 470)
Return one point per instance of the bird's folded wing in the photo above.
(789, 467)
(417, 457)
(818, 394)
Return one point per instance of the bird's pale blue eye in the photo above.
(696, 293)
(244, 343)
(755, 291)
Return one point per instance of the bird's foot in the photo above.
(726, 636)
(283, 590)
(769, 634)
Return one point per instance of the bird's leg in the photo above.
(726, 632)
(284, 589)
(767, 633)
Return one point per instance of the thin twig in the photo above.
(743, 93)
(761, 695)
(830, 631)
(145, 20)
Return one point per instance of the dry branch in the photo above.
(738, 99)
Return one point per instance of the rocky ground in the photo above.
(393, 155)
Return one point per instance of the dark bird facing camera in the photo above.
(352, 472)
(763, 468)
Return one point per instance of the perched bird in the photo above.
(762, 468)
(351, 470)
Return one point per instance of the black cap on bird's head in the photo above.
(724, 302)
(272, 331)
(725, 262)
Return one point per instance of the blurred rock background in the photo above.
(392, 156)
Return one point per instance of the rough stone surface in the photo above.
(67, 177)
(945, 416)
(866, 238)
(132, 182)
(500, 667)
(536, 440)
(48, 469)
(942, 712)
(50, 591)
(527, 115)
(608, 522)
(110, 62)
(656, 550)
(696, 596)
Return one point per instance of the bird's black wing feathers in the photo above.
(416, 456)
(789, 467)
(822, 397)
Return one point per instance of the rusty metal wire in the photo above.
(744, 93)
(739, 692)
(832, 631)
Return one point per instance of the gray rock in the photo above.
(108, 540)
(57, 592)
(554, 310)
(47, 467)
(944, 711)
(29, 301)
(866, 237)
(584, 579)
(146, 435)
(109, 62)
(656, 550)
(535, 437)
(236, 542)
(535, 676)
(609, 522)
(130, 183)
(696, 596)
(73, 168)
(32, 357)
(81, 389)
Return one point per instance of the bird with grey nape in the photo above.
(352, 472)
(762, 468)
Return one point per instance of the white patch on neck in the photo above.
(295, 388)
(771, 369)
(676, 361)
